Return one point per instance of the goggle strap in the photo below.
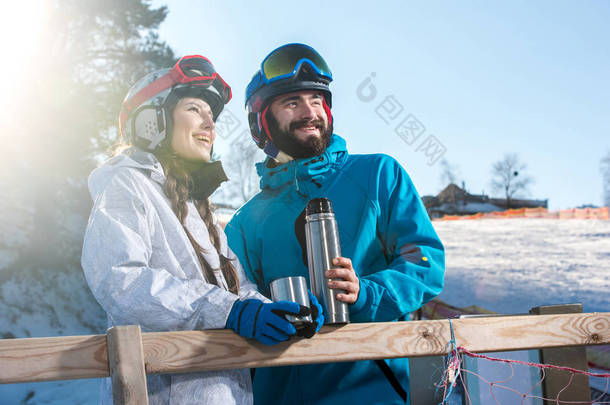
(176, 74)
(156, 87)
(122, 118)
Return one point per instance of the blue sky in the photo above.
(482, 78)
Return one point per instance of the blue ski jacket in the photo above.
(383, 228)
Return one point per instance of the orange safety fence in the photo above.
(539, 212)
(585, 213)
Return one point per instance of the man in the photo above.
(394, 261)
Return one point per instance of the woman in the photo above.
(153, 254)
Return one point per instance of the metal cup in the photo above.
(292, 289)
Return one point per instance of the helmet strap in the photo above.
(271, 150)
(327, 111)
(264, 124)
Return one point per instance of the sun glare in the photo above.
(21, 26)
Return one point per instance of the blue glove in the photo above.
(264, 322)
(310, 329)
(316, 311)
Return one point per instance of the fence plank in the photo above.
(222, 349)
(213, 350)
(44, 359)
(530, 332)
(126, 362)
(55, 358)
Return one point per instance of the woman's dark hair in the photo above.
(176, 188)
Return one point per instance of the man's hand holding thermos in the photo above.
(343, 277)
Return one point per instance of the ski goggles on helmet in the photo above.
(194, 70)
(286, 61)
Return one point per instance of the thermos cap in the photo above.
(319, 206)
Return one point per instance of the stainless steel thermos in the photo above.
(323, 246)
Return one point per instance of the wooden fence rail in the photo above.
(74, 357)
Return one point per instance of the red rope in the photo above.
(573, 370)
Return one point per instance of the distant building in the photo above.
(454, 200)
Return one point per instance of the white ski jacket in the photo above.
(143, 270)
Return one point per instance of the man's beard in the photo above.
(289, 143)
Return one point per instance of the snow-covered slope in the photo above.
(511, 265)
(40, 296)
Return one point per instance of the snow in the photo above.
(49, 304)
(511, 265)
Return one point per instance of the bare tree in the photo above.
(239, 163)
(605, 169)
(449, 173)
(508, 177)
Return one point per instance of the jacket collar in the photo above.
(304, 174)
(206, 176)
(133, 158)
(145, 161)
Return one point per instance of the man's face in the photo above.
(298, 123)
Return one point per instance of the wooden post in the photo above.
(424, 374)
(126, 364)
(557, 383)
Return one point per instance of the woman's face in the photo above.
(193, 134)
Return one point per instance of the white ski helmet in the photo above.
(145, 118)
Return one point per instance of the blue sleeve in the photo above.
(414, 253)
(248, 257)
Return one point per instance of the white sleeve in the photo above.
(116, 256)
